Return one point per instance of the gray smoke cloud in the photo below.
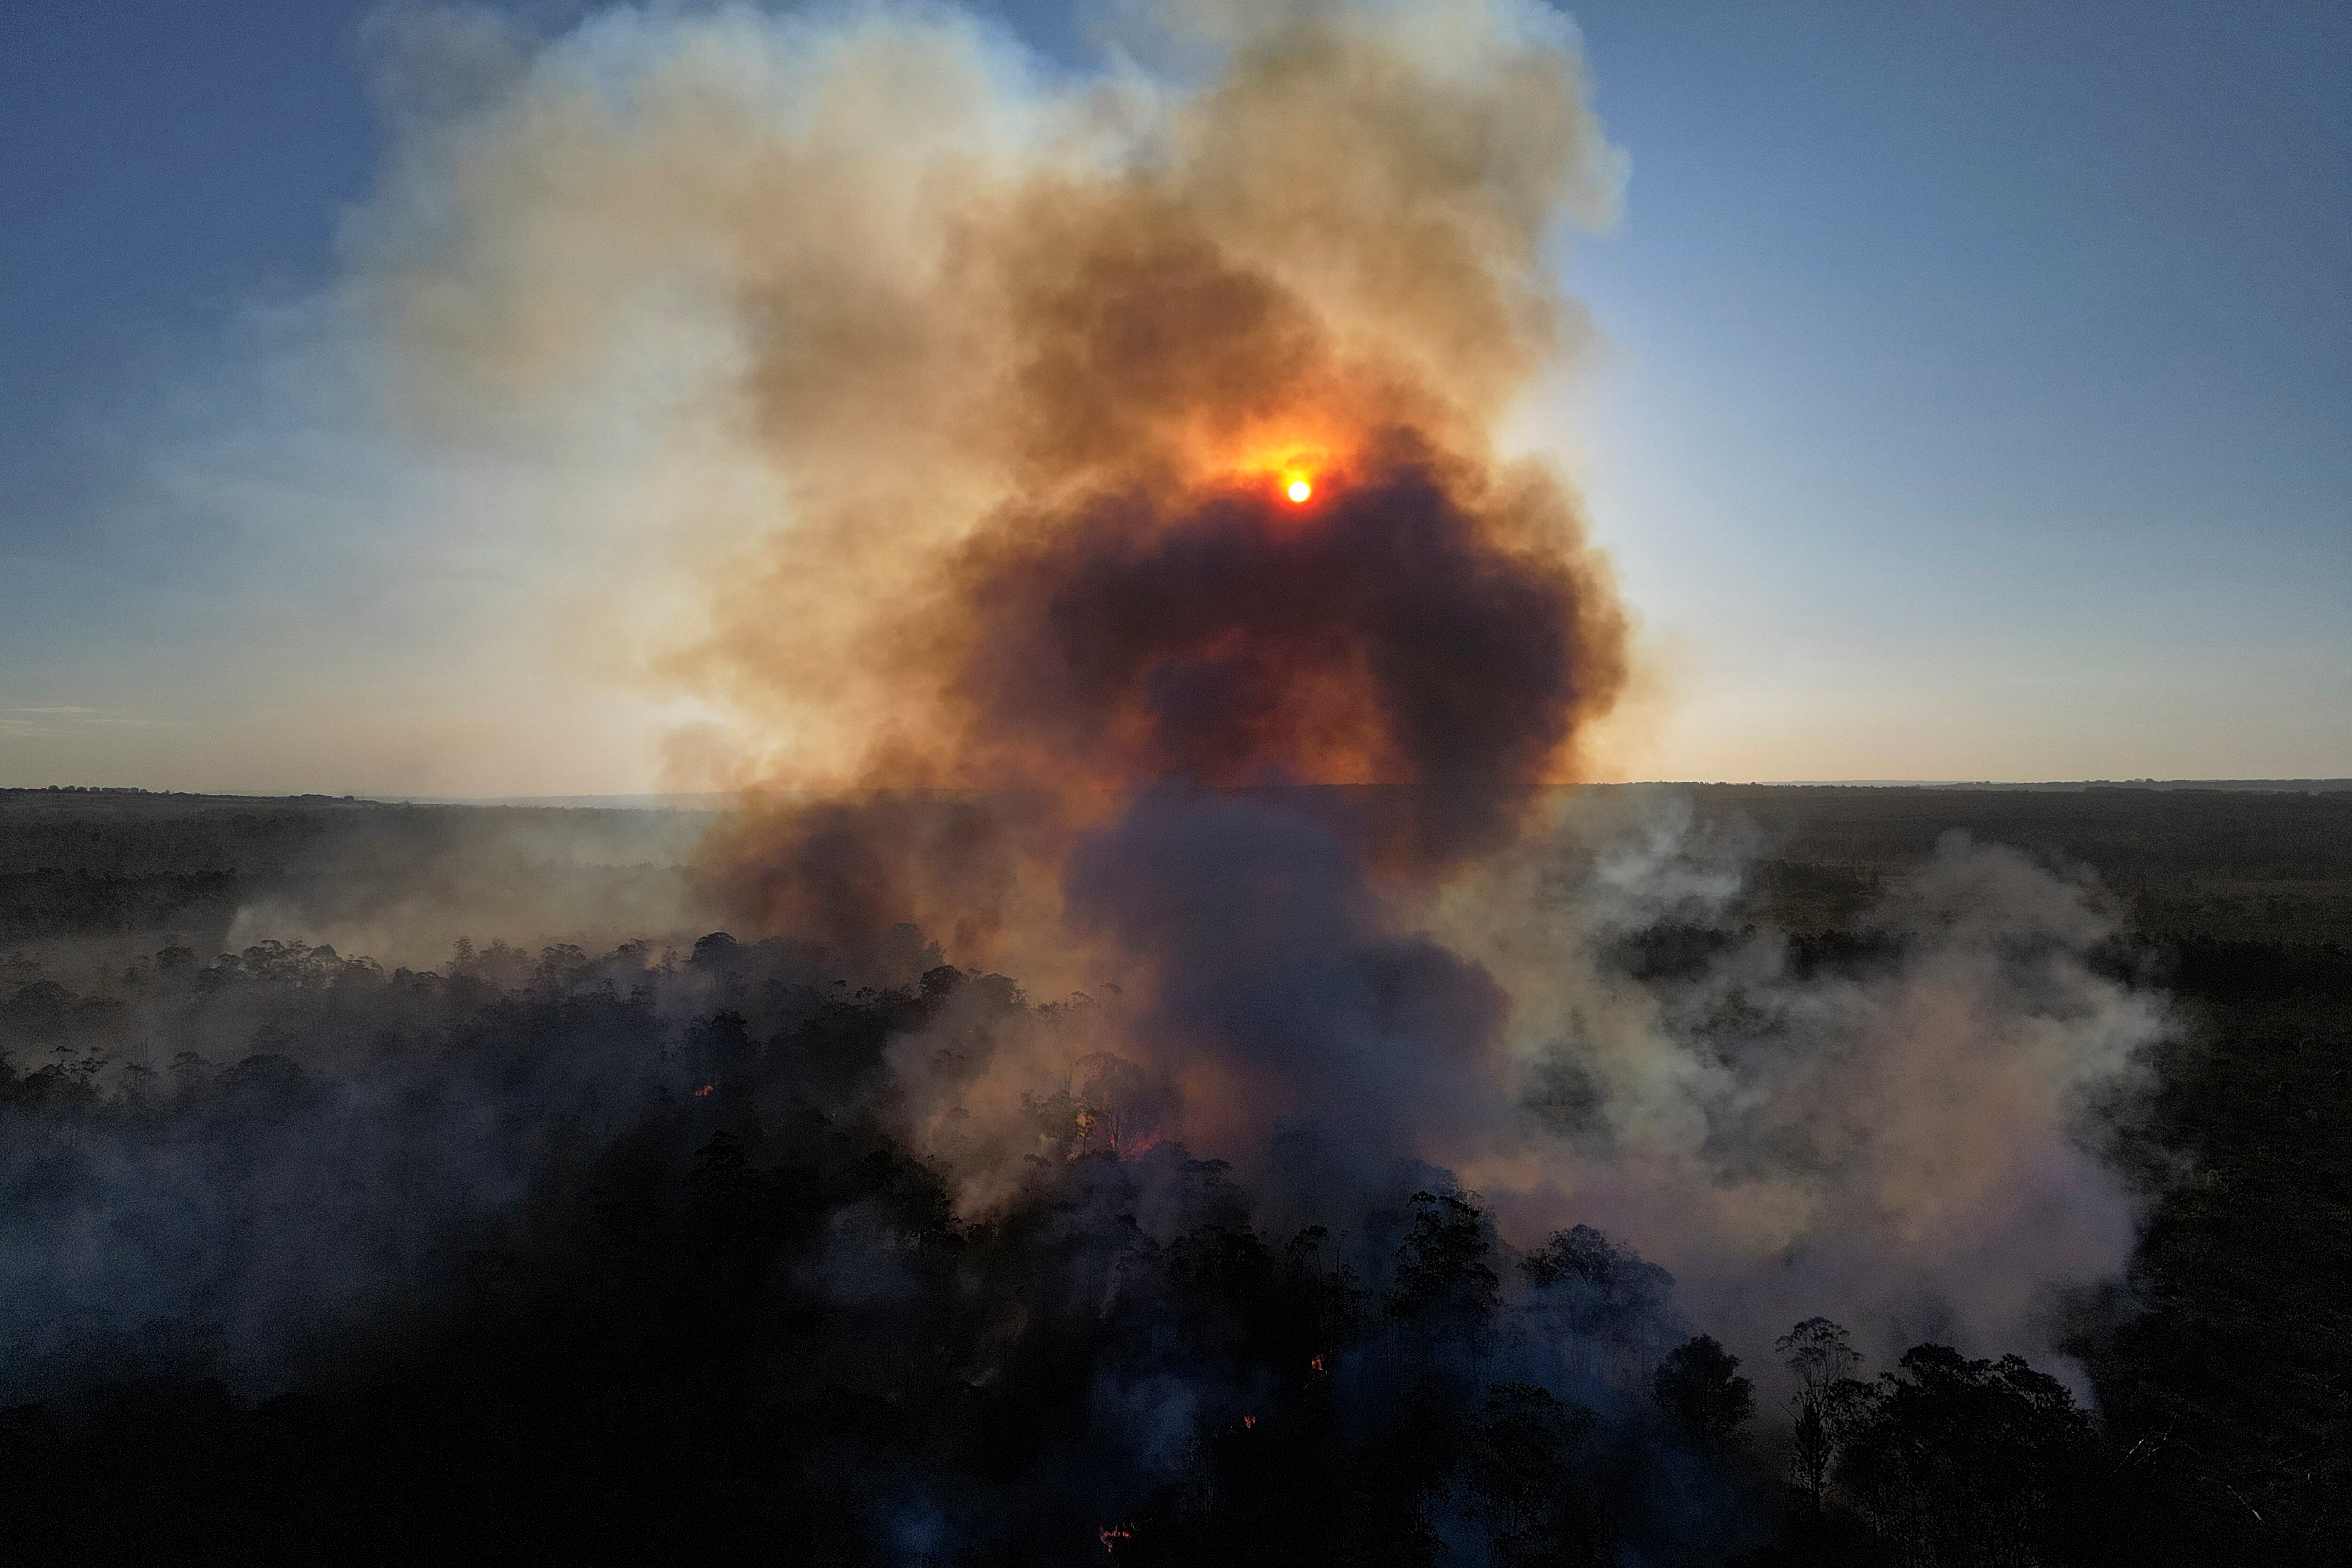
(1916, 1131)
(1910, 1136)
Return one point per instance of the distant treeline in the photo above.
(92, 865)
(2276, 865)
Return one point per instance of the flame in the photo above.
(1248, 1422)
(705, 1090)
(1112, 1535)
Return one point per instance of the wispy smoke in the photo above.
(1911, 1122)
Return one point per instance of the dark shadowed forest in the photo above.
(606, 1249)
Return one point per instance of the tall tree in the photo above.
(1700, 1388)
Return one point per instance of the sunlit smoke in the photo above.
(1106, 563)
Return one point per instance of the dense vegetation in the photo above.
(613, 1257)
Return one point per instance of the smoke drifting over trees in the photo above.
(1176, 1080)
(932, 1269)
(648, 1247)
(618, 1253)
(1024, 364)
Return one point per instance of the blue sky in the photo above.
(1975, 399)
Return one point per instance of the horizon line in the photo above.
(676, 799)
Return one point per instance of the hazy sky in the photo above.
(1976, 403)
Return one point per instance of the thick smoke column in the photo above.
(1029, 365)
(1195, 491)
(1008, 376)
(1174, 1034)
(1064, 554)
(977, 396)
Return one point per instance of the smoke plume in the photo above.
(1156, 685)
(1026, 644)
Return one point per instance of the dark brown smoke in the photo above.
(844, 873)
(1387, 631)
(1041, 538)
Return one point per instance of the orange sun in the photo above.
(1298, 490)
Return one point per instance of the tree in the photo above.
(1519, 1465)
(1819, 1352)
(1700, 1388)
(1828, 1405)
(1119, 1105)
(1612, 1303)
(1443, 1264)
(1965, 1461)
